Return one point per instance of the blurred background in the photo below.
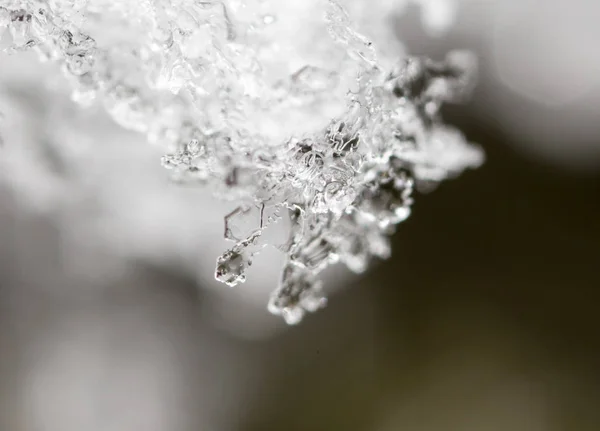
(485, 318)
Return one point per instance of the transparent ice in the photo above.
(306, 111)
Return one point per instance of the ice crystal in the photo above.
(294, 110)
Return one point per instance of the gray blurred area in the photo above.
(485, 318)
(137, 353)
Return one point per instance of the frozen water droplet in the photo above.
(297, 294)
(232, 265)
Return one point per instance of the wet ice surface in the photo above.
(331, 137)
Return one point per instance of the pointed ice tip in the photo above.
(293, 315)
